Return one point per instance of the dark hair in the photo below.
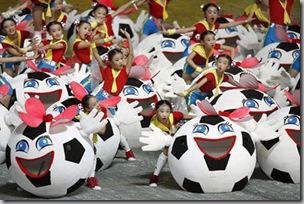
(113, 52)
(225, 56)
(205, 8)
(97, 7)
(85, 100)
(162, 102)
(203, 34)
(48, 27)
(7, 19)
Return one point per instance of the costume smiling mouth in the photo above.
(47, 98)
(145, 103)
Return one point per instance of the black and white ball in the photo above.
(49, 162)
(280, 158)
(211, 154)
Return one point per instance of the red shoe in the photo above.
(92, 182)
(153, 180)
(130, 155)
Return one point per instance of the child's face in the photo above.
(9, 27)
(93, 103)
(209, 41)
(163, 113)
(118, 61)
(56, 32)
(58, 5)
(100, 14)
(83, 30)
(211, 14)
(222, 64)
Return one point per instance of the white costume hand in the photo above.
(175, 84)
(127, 113)
(280, 97)
(155, 139)
(91, 123)
(283, 78)
(268, 69)
(78, 75)
(248, 38)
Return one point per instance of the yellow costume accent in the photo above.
(254, 9)
(287, 20)
(217, 81)
(206, 24)
(165, 13)
(114, 85)
(199, 49)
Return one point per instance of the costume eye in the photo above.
(52, 82)
(168, 43)
(22, 146)
(43, 142)
(231, 29)
(31, 83)
(268, 101)
(130, 91)
(292, 120)
(250, 103)
(148, 88)
(59, 109)
(275, 54)
(201, 129)
(185, 42)
(295, 53)
(292, 35)
(225, 128)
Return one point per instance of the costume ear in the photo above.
(35, 112)
(140, 72)
(249, 81)
(206, 107)
(294, 98)
(78, 90)
(140, 60)
(249, 62)
(110, 102)
(4, 89)
(239, 113)
(63, 70)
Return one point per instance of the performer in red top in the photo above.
(279, 12)
(105, 37)
(13, 44)
(157, 15)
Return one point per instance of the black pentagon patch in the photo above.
(32, 133)
(145, 122)
(281, 176)
(248, 143)
(8, 157)
(73, 151)
(179, 147)
(270, 143)
(76, 185)
(216, 165)
(99, 164)
(192, 186)
(109, 132)
(40, 182)
(240, 184)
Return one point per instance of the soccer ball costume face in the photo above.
(258, 102)
(211, 154)
(283, 51)
(166, 49)
(49, 162)
(280, 158)
(144, 93)
(50, 88)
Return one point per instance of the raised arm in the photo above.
(131, 52)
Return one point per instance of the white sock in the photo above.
(123, 143)
(161, 162)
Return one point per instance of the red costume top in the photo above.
(201, 57)
(61, 19)
(109, 77)
(201, 27)
(84, 55)
(108, 30)
(277, 11)
(174, 118)
(22, 35)
(55, 55)
(158, 10)
(212, 82)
